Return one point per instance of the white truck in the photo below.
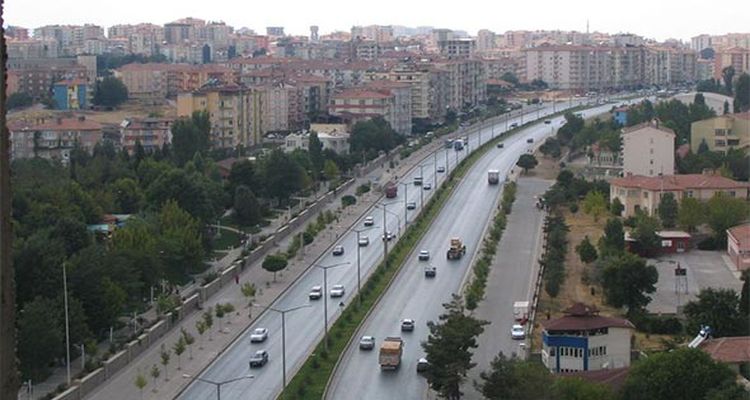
(521, 311)
(493, 177)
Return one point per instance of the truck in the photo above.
(493, 177)
(521, 311)
(418, 181)
(391, 190)
(458, 144)
(390, 353)
(457, 249)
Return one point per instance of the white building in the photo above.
(333, 136)
(648, 150)
(583, 340)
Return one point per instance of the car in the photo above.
(427, 186)
(366, 343)
(259, 335)
(259, 359)
(337, 291)
(441, 169)
(517, 332)
(316, 293)
(430, 271)
(412, 205)
(418, 180)
(530, 140)
(513, 125)
(407, 325)
(388, 235)
(547, 121)
(338, 251)
(369, 221)
(500, 145)
(422, 365)
(424, 255)
(363, 241)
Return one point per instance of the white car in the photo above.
(363, 241)
(338, 251)
(441, 169)
(407, 325)
(388, 236)
(337, 291)
(369, 221)
(517, 332)
(366, 343)
(424, 255)
(316, 293)
(259, 335)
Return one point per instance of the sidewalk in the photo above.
(122, 387)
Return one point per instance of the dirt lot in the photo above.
(129, 109)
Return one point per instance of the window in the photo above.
(689, 193)
(719, 143)
(732, 193)
(645, 195)
(652, 151)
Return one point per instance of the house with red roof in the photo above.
(643, 193)
(734, 351)
(583, 340)
(738, 246)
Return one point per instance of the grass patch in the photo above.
(225, 239)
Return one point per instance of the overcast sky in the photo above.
(657, 19)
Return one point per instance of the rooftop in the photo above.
(741, 233)
(583, 317)
(728, 349)
(678, 182)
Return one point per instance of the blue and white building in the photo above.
(583, 340)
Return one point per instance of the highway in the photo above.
(304, 327)
(416, 297)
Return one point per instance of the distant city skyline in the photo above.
(650, 19)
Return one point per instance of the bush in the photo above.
(657, 324)
(573, 208)
(348, 200)
(362, 189)
(709, 243)
(307, 238)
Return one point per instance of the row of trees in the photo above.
(728, 85)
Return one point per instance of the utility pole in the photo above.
(9, 380)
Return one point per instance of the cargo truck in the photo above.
(457, 249)
(493, 177)
(390, 353)
(391, 190)
(521, 311)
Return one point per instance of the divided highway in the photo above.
(416, 298)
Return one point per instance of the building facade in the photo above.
(230, 112)
(738, 246)
(648, 149)
(53, 139)
(151, 133)
(71, 95)
(730, 131)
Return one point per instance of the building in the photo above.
(333, 136)
(643, 193)
(734, 351)
(457, 48)
(737, 57)
(738, 246)
(360, 104)
(146, 82)
(275, 31)
(36, 77)
(53, 139)
(582, 340)
(151, 133)
(621, 116)
(671, 242)
(648, 149)
(721, 133)
(71, 95)
(230, 111)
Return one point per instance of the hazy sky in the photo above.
(658, 19)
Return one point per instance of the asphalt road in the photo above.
(416, 297)
(304, 327)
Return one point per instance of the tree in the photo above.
(719, 309)
(727, 74)
(201, 327)
(668, 210)
(696, 372)
(110, 92)
(648, 241)
(448, 348)
(511, 378)
(165, 356)
(627, 280)
(527, 162)
(725, 212)
(742, 93)
(19, 100)
(190, 136)
(189, 340)
(248, 291)
(40, 337)
(179, 347)
(283, 175)
(246, 207)
(128, 196)
(726, 107)
(745, 292)
(613, 241)
(727, 391)
(699, 99)
(140, 382)
(155, 373)
(574, 388)
(220, 313)
(594, 204)
(274, 263)
(586, 251)
(331, 171)
(315, 149)
(208, 320)
(244, 173)
(691, 213)
(616, 207)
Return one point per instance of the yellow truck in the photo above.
(390, 353)
(457, 249)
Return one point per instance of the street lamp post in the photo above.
(283, 335)
(325, 269)
(406, 198)
(359, 276)
(217, 384)
(434, 175)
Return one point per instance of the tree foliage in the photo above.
(742, 93)
(512, 378)
(594, 204)
(613, 240)
(586, 251)
(627, 280)
(40, 337)
(574, 388)
(374, 135)
(190, 136)
(647, 241)
(274, 263)
(110, 92)
(19, 100)
(725, 212)
(246, 207)
(691, 213)
(718, 309)
(668, 210)
(527, 162)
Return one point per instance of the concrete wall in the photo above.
(91, 381)
(136, 347)
(190, 304)
(115, 363)
(158, 329)
(210, 289)
(70, 394)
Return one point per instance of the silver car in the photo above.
(337, 291)
(259, 335)
(366, 343)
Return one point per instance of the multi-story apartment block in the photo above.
(730, 131)
(643, 193)
(485, 40)
(22, 49)
(378, 33)
(36, 77)
(402, 102)
(648, 150)
(418, 80)
(17, 33)
(70, 38)
(146, 82)
(359, 104)
(183, 31)
(151, 133)
(71, 94)
(281, 107)
(737, 57)
(277, 31)
(466, 82)
(230, 111)
(458, 47)
(583, 340)
(53, 139)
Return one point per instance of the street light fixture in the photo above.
(359, 276)
(217, 384)
(283, 334)
(325, 269)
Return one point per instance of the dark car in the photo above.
(530, 140)
(259, 359)
(338, 250)
(500, 145)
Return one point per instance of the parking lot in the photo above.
(704, 269)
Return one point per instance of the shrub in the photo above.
(348, 200)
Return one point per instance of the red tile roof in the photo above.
(649, 124)
(613, 378)
(678, 182)
(728, 349)
(741, 233)
(583, 317)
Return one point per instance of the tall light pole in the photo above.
(67, 322)
(359, 275)
(283, 334)
(385, 231)
(325, 269)
(406, 198)
(217, 384)
(434, 174)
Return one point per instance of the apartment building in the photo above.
(230, 110)
(457, 47)
(583, 340)
(32, 48)
(360, 104)
(147, 82)
(281, 107)
(643, 193)
(730, 131)
(402, 113)
(36, 77)
(737, 57)
(71, 94)
(648, 150)
(54, 138)
(151, 133)
(466, 82)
